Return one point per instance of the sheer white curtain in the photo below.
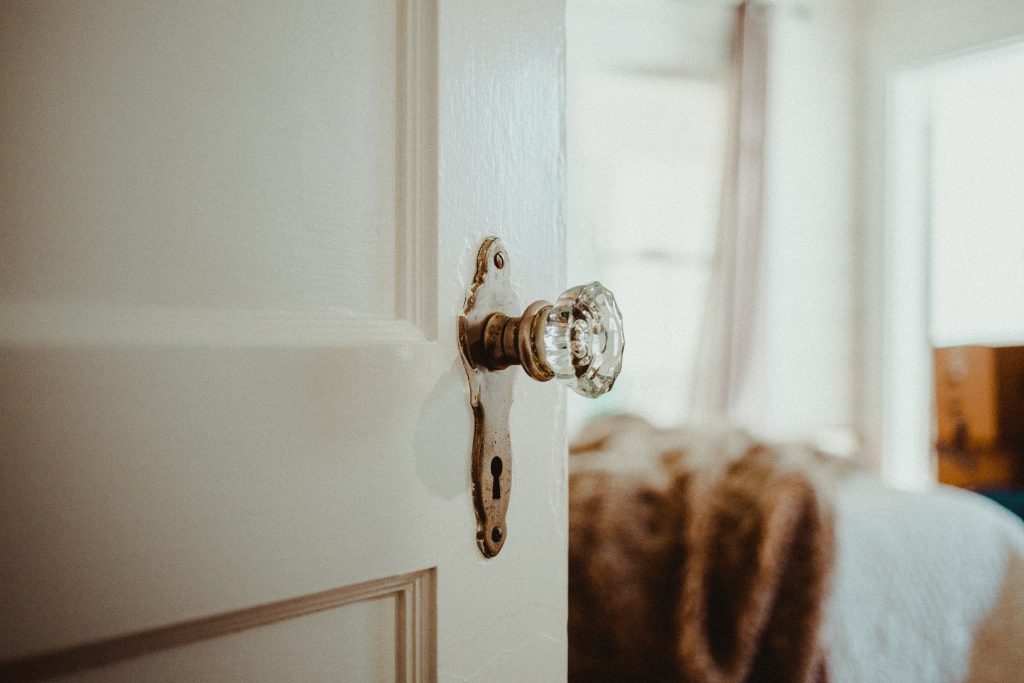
(726, 344)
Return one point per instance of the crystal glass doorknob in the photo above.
(577, 340)
(580, 339)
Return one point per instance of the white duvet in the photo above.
(927, 587)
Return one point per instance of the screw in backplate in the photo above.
(499, 260)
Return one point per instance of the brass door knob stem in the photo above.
(500, 342)
(577, 340)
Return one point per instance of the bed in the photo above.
(708, 555)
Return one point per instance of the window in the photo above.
(646, 155)
(976, 155)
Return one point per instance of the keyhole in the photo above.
(496, 468)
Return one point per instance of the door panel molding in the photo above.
(73, 324)
(77, 257)
(414, 594)
(416, 211)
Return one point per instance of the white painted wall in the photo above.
(892, 360)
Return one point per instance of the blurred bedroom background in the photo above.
(812, 215)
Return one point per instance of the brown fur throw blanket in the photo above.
(701, 557)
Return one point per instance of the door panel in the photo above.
(355, 643)
(138, 122)
(380, 630)
(235, 240)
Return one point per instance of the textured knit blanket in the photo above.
(696, 556)
(707, 556)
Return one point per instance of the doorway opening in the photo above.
(955, 271)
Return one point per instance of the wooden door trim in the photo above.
(415, 630)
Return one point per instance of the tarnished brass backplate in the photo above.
(490, 397)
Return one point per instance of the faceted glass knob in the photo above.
(580, 339)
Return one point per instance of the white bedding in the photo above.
(928, 587)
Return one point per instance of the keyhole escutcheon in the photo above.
(496, 468)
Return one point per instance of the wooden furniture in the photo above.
(979, 409)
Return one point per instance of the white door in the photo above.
(234, 425)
